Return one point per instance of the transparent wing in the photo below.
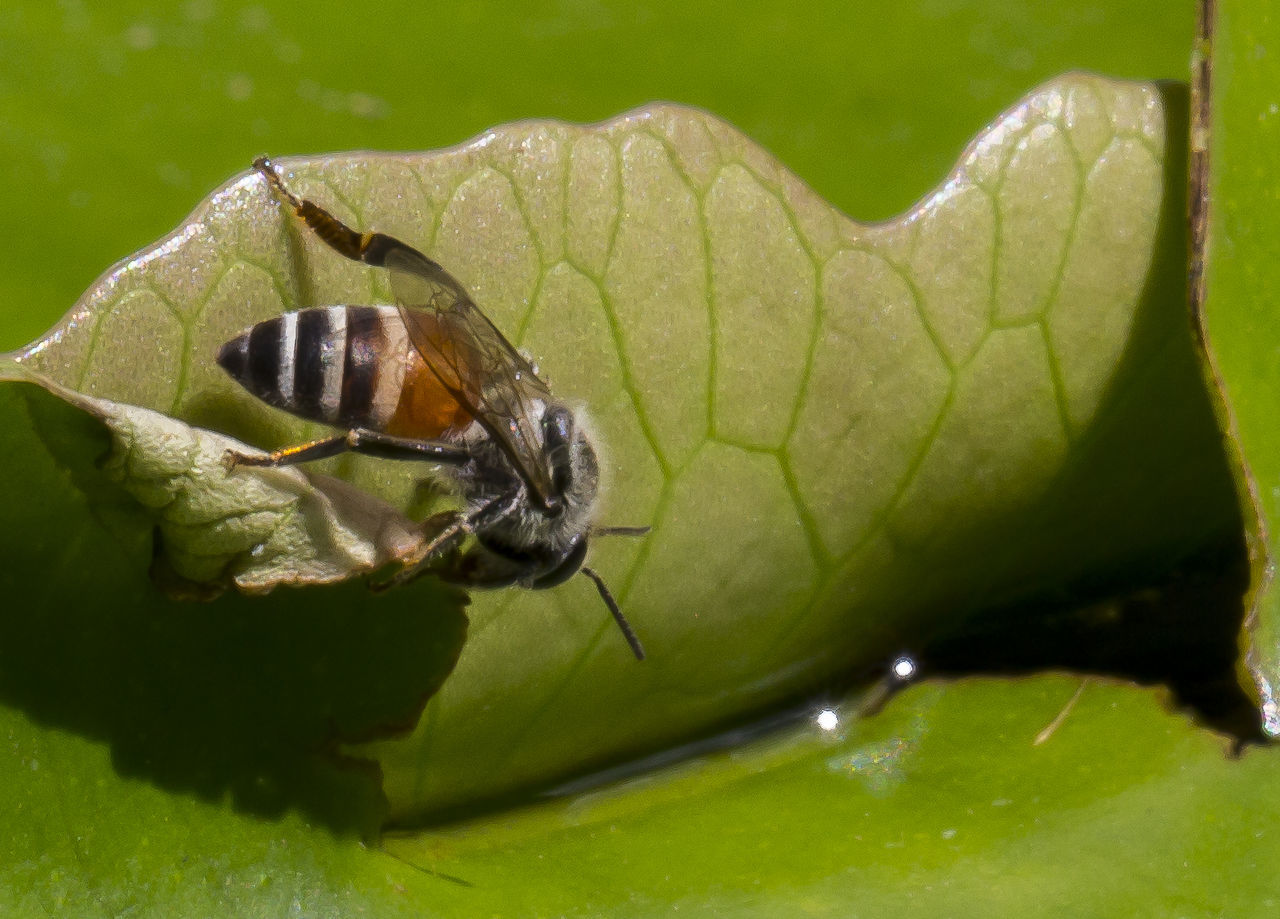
(474, 361)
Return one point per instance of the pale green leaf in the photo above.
(844, 436)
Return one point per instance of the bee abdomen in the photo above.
(342, 365)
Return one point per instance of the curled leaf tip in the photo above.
(252, 528)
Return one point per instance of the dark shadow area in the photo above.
(1182, 633)
(1166, 614)
(1166, 609)
(242, 698)
(1172, 618)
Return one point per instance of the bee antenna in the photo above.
(627, 632)
(620, 531)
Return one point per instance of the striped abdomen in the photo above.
(348, 366)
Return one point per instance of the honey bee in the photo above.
(432, 379)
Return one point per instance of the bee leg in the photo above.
(451, 528)
(361, 440)
(301, 453)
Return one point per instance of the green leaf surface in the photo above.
(1083, 798)
(163, 757)
(84, 837)
(1242, 281)
(894, 399)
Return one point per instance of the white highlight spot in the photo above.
(828, 720)
(1271, 717)
(904, 668)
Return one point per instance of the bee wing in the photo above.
(472, 359)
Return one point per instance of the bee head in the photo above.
(570, 460)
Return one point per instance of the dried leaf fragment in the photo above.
(251, 528)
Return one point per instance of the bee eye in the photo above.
(565, 569)
(557, 436)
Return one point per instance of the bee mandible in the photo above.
(432, 379)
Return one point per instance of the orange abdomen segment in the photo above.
(426, 409)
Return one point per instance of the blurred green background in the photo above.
(115, 119)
